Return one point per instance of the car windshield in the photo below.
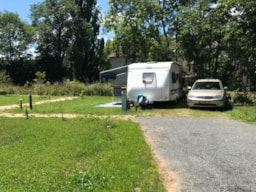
(206, 85)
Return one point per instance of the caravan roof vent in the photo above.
(151, 62)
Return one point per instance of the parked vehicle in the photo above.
(157, 81)
(207, 93)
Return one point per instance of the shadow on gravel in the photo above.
(169, 105)
(181, 104)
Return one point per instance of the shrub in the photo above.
(243, 97)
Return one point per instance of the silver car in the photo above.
(207, 93)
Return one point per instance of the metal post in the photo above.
(26, 112)
(30, 99)
(21, 100)
(124, 100)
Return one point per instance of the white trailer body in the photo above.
(158, 81)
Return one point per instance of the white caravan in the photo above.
(158, 81)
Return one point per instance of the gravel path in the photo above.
(207, 154)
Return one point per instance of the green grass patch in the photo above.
(15, 99)
(82, 154)
(243, 113)
(82, 105)
(87, 105)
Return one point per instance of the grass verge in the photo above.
(15, 99)
(244, 113)
(75, 155)
(84, 105)
(87, 105)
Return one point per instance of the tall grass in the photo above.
(67, 88)
(75, 155)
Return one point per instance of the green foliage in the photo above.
(4, 81)
(66, 88)
(213, 41)
(39, 82)
(201, 36)
(75, 155)
(21, 70)
(40, 77)
(243, 98)
(68, 39)
(144, 30)
(53, 25)
(216, 38)
(87, 47)
(211, 36)
(15, 36)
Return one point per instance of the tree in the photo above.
(246, 17)
(87, 49)
(53, 21)
(238, 28)
(202, 37)
(15, 36)
(67, 39)
(145, 30)
(4, 79)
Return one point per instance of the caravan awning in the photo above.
(112, 73)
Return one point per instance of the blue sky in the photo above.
(22, 7)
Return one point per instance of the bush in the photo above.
(2, 92)
(243, 97)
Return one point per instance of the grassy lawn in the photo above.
(85, 154)
(81, 154)
(243, 113)
(15, 99)
(74, 154)
(85, 105)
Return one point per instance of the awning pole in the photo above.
(100, 84)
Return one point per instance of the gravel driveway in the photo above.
(207, 154)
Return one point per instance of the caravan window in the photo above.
(148, 78)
